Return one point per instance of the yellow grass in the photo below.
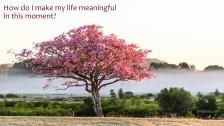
(106, 121)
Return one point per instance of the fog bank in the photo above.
(194, 82)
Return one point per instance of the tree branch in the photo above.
(73, 77)
(87, 88)
(102, 85)
(70, 85)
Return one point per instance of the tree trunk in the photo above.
(97, 103)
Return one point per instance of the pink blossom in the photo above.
(87, 55)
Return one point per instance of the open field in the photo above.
(106, 121)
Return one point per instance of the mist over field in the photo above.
(194, 82)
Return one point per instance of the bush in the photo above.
(120, 93)
(113, 94)
(129, 107)
(206, 106)
(12, 96)
(87, 108)
(189, 114)
(1, 96)
(148, 95)
(128, 94)
(45, 108)
(175, 100)
(216, 92)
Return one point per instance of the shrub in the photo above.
(206, 106)
(12, 96)
(1, 96)
(24, 108)
(175, 100)
(128, 94)
(120, 93)
(133, 107)
(189, 114)
(216, 92)
(87, 108)
(148, 95)
(113, 94)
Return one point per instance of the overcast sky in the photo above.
(175, 30)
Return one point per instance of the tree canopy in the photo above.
(213, 67)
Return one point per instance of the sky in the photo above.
(175, 30)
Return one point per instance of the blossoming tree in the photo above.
(89, 58)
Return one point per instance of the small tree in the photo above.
(184, 65)
(216, 92)
(1, 96)
(90, 59)
(128, 94)
(175, 100)
(206, 106)
(113, 94)
(120, 93)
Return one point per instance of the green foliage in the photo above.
(148, 95)
(128, 94)
(216, 92)
(45, 108)
(130, 107)
(87, 108)
(189, 114)
(175, 100)
(1, 96)
(206, 106)
(11, 96)
(112, 107)
(120, 93)
(113, 94)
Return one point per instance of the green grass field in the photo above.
(107, 121)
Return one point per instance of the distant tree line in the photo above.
(21, 67)
(164, 65)
(16, 68)
(213, 67)
(183, 65)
